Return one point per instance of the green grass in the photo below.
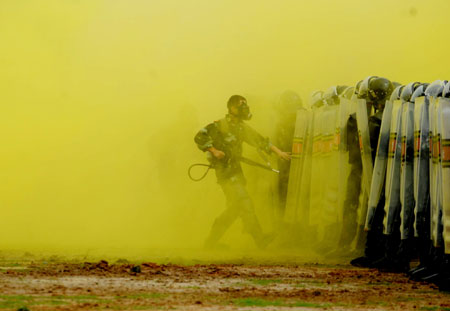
(258, 302)
(264, 282)
(17, 301)
(143, 296)
(437, 308)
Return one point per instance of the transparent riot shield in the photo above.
(436, 195)
(392, 189)
(407, 172)
(445, 169)
(433, 161)
(421, 168)
(305, 181)
(366, 154)
(341, 141)
(379, 170)
(317, 171)
(329, 225)
(293, 203)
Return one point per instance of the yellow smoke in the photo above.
(100, 100)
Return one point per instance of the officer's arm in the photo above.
(256, 140)
(205, 140)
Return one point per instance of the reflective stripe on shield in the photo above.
(445, 164)
(407, 172)
(381, 159)
(366, 153)
(392, 190)
(421, 168)
(296, 168)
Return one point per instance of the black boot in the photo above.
(431, 275)
(424, 251)
(374, 250)
(444, 274)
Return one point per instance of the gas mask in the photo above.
(244, 112)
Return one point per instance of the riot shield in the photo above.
(329, 223)
(293, 202)
(421, 168)
(379, 170)
(331, 140)
(445, 169)
(392, 189)
(344, 166)
(366, 154)
(407, 172)
(436, 195)
(317, 171)
(305, 181)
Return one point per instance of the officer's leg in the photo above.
(247, 213)
(350, 209)
(226, 219)
(374, 246)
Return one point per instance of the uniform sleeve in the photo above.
(205, 137)
(256, 140)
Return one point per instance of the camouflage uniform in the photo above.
(228, 135)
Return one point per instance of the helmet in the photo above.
(348, 92)
(435, 89)
(290, 101)
(379, 89)
(409, 90)
(446, 91)
(419, 91)
(331, 96)
(364, 87)
(357, 86)
(243, 109)
(396, 93)
(317, 99)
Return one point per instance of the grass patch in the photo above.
(265, 282)
(379, 284)
(437, 308)
(17, 301)
(143, 296)
(258, 302)
(311, 282)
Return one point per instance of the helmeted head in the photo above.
(289, 102)
(376, 90)
(396, 93)
(409, 90)
(237, 106)
(331, 96)
(418, 92)
(446, 91)
(317, 99)
(348, 92)
(435, 89)
(357, 86)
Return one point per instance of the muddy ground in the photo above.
(148, 286)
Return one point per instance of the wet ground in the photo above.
(148, 286)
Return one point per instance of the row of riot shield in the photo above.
(413, 164)
(318, 174)
(408, 180)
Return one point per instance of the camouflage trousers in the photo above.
(239, 205)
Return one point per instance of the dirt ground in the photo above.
(149, 286)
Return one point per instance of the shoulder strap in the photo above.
(223, 126)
